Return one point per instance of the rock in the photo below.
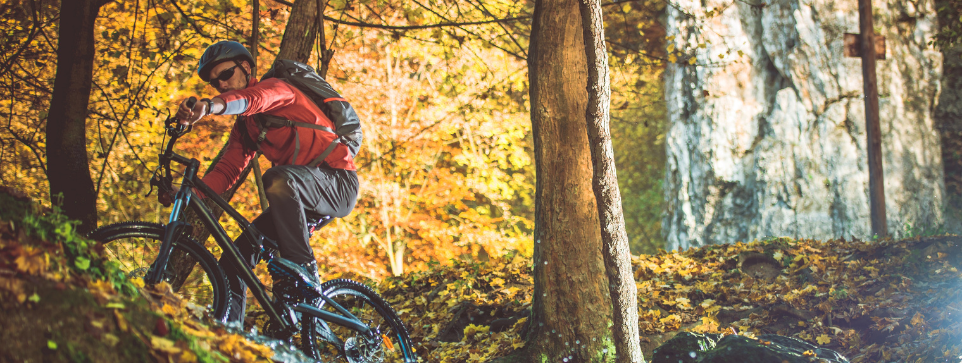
(767, 134)
(689, 347)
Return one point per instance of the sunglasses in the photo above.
(223, 76)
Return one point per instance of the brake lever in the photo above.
(173, 125)
(163, 189)
(152, 184)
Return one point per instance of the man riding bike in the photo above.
(309, 179)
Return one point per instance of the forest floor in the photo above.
(872, 301)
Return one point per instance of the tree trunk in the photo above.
(325, 55)
(571, 308)
(252, 44)
(300, 33)
(617, 256)
(948, 116)
(68, 170)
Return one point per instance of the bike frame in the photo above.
(186, 198)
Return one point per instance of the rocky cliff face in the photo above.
(768, 124)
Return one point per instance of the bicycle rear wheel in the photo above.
(135, 245)
(331, 342)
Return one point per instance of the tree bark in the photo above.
(617, 256)
(300, 33)
(325, 55)
(252, 44)
(571, 308)
(68, 169)
(948, 112)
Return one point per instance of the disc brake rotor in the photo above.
(360, 350)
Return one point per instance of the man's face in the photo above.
(236, 81)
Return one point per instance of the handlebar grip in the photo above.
(181, 128)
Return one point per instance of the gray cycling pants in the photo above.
(295, 193)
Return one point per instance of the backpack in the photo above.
(347, 125)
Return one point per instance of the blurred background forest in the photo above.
(446, 167)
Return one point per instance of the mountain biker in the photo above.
(297, 193)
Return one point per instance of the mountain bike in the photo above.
(344, 319)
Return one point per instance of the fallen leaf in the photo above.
(110, 340)
(823, 339)
(918, 319)
(121, 321)
(163, 345)
(31, 261)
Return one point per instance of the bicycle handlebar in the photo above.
(175, 130)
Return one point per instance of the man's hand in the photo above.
(190, 115)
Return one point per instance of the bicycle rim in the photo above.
(330, 342)
(135, 245)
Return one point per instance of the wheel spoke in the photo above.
(132, 246)
(388, 343)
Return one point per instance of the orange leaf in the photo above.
(31, 261)
(387, 342)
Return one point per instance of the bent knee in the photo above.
(277, 183)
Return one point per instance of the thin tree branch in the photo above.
(428, 26)
(32, 148)
(36, 29)
(483, 8)
(23, 140)
(123, 118)
(189, 20)
(5, 67)
(395, 145)
(31, 80)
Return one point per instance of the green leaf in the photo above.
(34, 298)
(52, 345)
(82, 263)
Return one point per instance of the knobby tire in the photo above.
(135, 246)
(371, 309)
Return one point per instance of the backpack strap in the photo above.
(330, 148)
(269, 121)
(334, 106)
(297, 146)
(246, 139)
(274, 121)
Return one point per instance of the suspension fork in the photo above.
(173, 229)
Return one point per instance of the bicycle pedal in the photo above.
(297, 274)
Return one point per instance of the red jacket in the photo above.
(278, 98)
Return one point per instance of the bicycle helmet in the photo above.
(219, 52)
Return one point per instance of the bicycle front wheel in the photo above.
(331, 342)
(135, 245)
